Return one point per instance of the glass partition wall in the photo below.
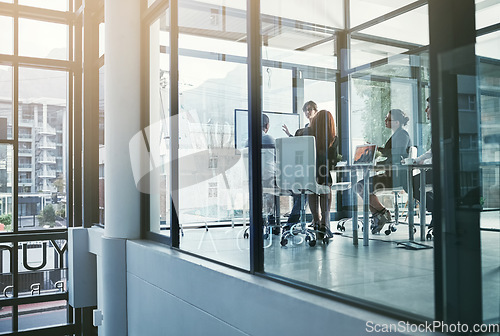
(356, 59)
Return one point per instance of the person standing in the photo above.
(323, 129)
(310, 109)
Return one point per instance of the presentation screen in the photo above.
(276, 120)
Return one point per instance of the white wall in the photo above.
(171, 293)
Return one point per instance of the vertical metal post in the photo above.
(411, 211)
(423, 204)
(15, 197)
(297, 90)
(254, 47)
(174, 122)
(90, 118)
(366, 206)
(457, 258)
(354, 194)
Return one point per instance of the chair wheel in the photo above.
(342, 229)
(312, 243)
(284, 241)
(414, 230)
(266, 236)
(387, 232)
(326, 240)
(339, 227)
(428, 236)
(394, 229)
(246, 235)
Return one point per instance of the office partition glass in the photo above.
(386, 67)
(158, 130)
(213, 168)
(489, 182)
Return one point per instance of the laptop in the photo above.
(364, 155)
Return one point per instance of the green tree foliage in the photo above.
(6, 219)
(47, 216)
(377, 100)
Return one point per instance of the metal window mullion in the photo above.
(174, 123)
(90, 118)
(145, 198)
(15, 189)
(254, 46)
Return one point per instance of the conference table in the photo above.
(367, 171)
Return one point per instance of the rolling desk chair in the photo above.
(412, 153)
(296, 172)
(270, 206)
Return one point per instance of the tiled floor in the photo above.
(382, 272)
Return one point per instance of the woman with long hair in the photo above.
(323, 129)
(395, 149)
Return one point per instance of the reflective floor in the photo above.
(385, 272)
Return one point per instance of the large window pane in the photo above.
(487, 13)
(42, 315)
(43, 39)
(6, 188)
(6, 319)
(42, 270)
(43, 135)
(61, 5)
(320, 12)
(488, 46)
(6, 109)
(7, 36)
(365, 10)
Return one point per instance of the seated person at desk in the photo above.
(310, 109)
(395, 149)
(323, 129)
(268, 166)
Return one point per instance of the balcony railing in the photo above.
(46, 130)
(48, 173)
(45, 144)
(46, 159)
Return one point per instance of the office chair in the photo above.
(412, 153)
(296, 173)
(270, 193)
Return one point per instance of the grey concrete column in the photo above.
(122, 117)
(122, 121)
